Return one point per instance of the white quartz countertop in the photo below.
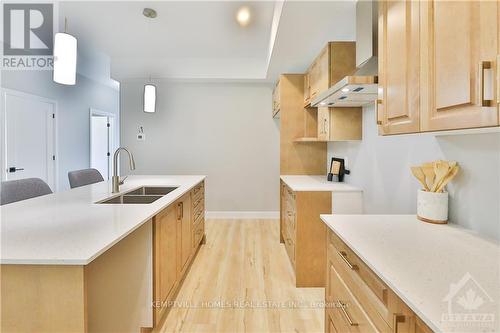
(316, 183)
(69, 228)
(426, 264)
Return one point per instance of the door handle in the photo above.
(377, 110)
(483, 65)
(397, 319)
(343, 255)
(498, 79)
(346, 314)
(14, 169)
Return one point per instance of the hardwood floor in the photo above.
(242, 281)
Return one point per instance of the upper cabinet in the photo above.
(398, 104)
(438, 65)
(335, 61)
(458, 64)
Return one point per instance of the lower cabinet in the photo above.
(358, 300)
(303, 233)
(184, 232)
(165, 259)
(175, 232)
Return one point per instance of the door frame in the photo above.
(3, 131)
(111, 138)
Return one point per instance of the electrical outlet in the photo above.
(141, 137)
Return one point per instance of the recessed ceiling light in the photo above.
(345, 90)
(149, 13)
(243, 16)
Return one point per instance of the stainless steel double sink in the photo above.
(141, 195)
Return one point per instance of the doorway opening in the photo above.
(102, 145)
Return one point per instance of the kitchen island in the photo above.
(72, 263)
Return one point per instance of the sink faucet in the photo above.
(116, 179)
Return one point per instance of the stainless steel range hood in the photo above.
(360, 88)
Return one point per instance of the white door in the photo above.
(101, 141)
(29, 137)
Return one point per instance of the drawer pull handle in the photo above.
(346, 314)
(343, 255)
(398, 318)
(483, 65)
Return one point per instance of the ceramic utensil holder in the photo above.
(432, 207)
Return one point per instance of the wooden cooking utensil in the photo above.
(419, 174)
(453, 172)
(441, 169)
(428, 170)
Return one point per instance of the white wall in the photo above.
(73, 121)
(222, 130)
(381, 166)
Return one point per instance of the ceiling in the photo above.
(202, 40)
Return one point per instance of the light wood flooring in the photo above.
(242, 281)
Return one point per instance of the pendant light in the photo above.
(149, 97)
(65, 52)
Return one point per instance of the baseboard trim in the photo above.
(242, 215)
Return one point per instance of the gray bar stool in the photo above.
(84, 177)
(22, 189)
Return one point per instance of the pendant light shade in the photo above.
(65, 48)
(149, 98)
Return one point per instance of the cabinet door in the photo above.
(186, 241)
(313, 81)
(323, 124)
(307, 99)
(323, 68)
(399, 66)
(459, 45)
(165, 256)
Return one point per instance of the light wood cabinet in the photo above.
(437, 72)
(295, 158)
(370, 305)
(165, 259)
(184, 232)
(336, 60)
(340, 124)
(399, 64)
(177, 233)
(198, 214)
(307, 90)
(459, 49)
(302, 233)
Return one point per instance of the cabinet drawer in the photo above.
(290, 221)
(198, 190)
(346, 314)
(198, 232)
(290, 198)
(370, 291)
(290, 247)
(198, 200)
(198, 211)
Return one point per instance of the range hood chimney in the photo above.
(360, 88)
